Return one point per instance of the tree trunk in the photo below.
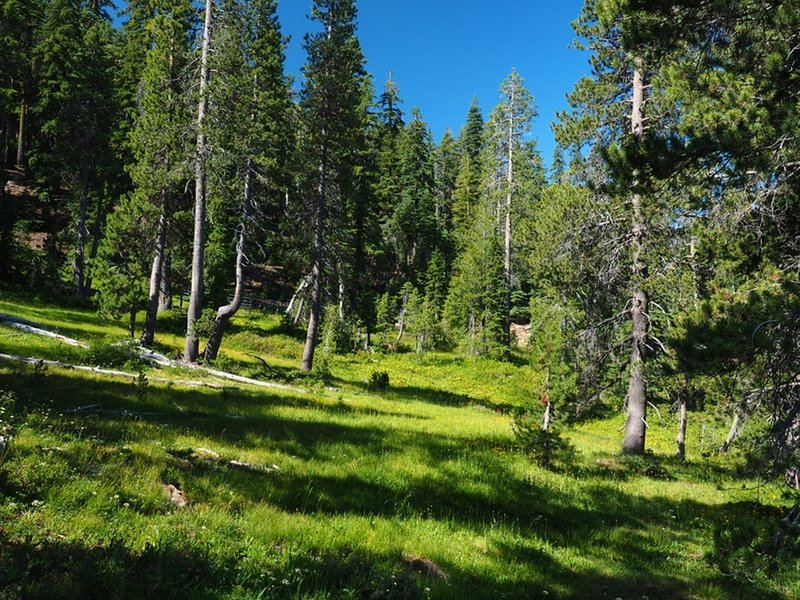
(191, 348)
(165, 293)
(316, 269)
(681, 439)
(319, 237)
(732, 432)
(23, 114)
(225, 313)
(79, 266)
(636, 424)
(149, 331)
(132, 322)
(507, 240)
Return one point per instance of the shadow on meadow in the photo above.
(472, 484)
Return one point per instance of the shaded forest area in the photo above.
(163, 168)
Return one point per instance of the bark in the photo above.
(225, 313)
(191, 348)
(149, 331)
(165, 293)
(636, 424)
(547, 416)
(316, 269)
(681, 439)
(507, 240)
(79, 266)
(298, 294)
(732, 432)
(402, 318)
(132, 323)
(21, 133)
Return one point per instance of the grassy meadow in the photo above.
(328, 489)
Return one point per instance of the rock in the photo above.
(176, 495)
(426, 567)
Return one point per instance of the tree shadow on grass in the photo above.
(469, 486)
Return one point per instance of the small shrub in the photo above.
(547, 448)
(378, 381)
(124, 353)
(140, 385)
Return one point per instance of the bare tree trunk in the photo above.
(225, 313)
(297, 294)
(165, 293)
(681, 439)
(79, 266)
(636, 424)
(300, 308)
(191, 349)
(507, 241)
(317, 267)
(732, 432)
(22, 132)
(132, 322)
(402, 318)
(149, 331)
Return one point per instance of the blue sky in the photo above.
(444, 52)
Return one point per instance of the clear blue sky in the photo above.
(444, 52)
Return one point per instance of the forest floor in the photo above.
(139, 487)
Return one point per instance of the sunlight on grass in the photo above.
(335, 491)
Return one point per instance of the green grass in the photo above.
(349, 486)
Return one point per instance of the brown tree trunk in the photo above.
(636, 424)
(192, 346)
(149, 331)
(225, 313)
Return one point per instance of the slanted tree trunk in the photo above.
(732, 432)
(636, 424)
(225, 313)
(191, 348)
(149, 331)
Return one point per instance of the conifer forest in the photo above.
(264, 335)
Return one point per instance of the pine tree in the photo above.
(253, 131)
(332, 110)
(413, 226)
(510, 122)
(156, 140)
(467, 192)
(192, 346)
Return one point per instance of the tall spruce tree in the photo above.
(332, 112)
(192, 346)
(510, 123)
(250, 109)
(157, 138)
